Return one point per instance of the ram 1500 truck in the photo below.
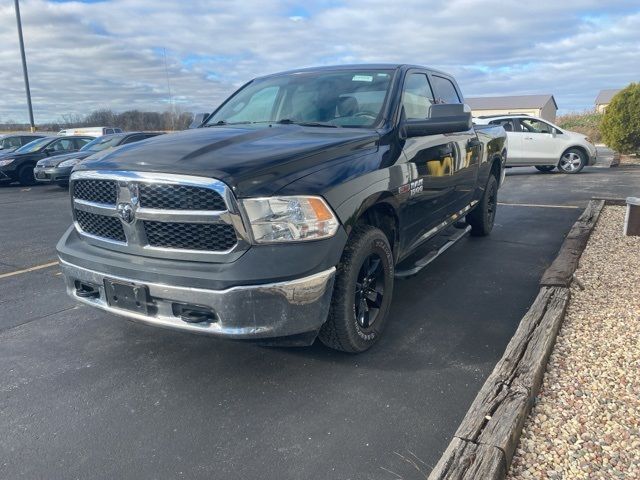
(283, 217)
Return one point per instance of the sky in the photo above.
(128, 54)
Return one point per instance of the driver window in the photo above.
(532, 125)
(62, 145)
(417, 96)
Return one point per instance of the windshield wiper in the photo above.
(224, 122)
(288, 121)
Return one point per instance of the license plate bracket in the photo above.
(127, 296)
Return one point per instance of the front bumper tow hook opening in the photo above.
(87, 291)
(191, 316)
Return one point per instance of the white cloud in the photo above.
(84, 56)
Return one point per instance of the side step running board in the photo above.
(432, 254)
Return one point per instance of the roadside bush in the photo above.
(130, 120)
(621, 121)
(587, 123)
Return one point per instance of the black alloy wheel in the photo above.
(369, 291)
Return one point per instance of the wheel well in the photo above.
(576, 147)
(496, 166)
(26, 165)
(382, 216)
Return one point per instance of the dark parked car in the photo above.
(289, 213)
(13, 141)
(57, 169)
(18, 166)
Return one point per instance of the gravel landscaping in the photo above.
(586, 421)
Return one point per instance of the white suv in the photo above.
(534, 142)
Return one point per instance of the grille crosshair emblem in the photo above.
(126, 213)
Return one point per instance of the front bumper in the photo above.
(7, 175)
(52, 174)
(243, 312)
(593, 156)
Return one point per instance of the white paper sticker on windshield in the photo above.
(362, 78)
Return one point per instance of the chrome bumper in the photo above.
(255, 311)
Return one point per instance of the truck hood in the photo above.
(252, 159)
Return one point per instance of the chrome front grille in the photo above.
(159, 215)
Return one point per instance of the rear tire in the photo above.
(483, 216)
(572, 161)
(362, 292)
(25, 175)
(545, 168)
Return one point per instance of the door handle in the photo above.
(528, 138)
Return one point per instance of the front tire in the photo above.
(572, 161)
(362, 292)
(25, 175)
(545, 168)
(483, 216)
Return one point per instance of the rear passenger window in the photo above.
(444, 89)
(81, 142)
(133, 138)
(417, 96)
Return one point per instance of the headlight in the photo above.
(6, 161)
(68, 163)
(588, 139)
(286, 219)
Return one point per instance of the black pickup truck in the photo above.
(288, 213)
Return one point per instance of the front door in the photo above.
(430, 161)
(539, 142)
(465, 148)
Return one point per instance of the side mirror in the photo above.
(441, 118)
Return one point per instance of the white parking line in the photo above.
(535, 205)
(30, 269)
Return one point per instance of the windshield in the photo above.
(102, 143)
(34, 146)
(350, 98)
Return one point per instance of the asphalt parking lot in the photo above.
(85, 394)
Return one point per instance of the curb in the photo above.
(484, 443)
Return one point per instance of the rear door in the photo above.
(80, 142)
(514, 139)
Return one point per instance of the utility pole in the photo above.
(24, 67)
(166, 70)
